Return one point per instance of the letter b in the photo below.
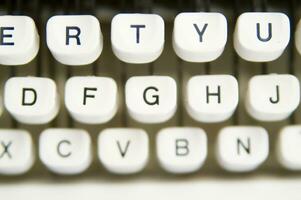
(182, 147)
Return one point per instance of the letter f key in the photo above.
(91, 100)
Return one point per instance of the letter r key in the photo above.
(74, 39)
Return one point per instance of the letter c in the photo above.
(59, 148)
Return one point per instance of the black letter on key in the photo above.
(86, 95)
(137, 27)
(58, 148)
(33, 101)
(5, 149)
(247, 148)
(218, 94)
(200, 32)
(274, 101)
(76, 35)
(156, 97)
(3, 35)
(123, 151)
(269, 32)
(182, 147)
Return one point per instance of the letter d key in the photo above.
(31, 100)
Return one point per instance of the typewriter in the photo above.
(150, 99)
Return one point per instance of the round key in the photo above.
(137, 38)
(31, 100)
(16, 151)
(65, 151)
(261, 36)
(211, 98)
(19, 40)
(181, 149)
(242, 148)
(289, 147)
(195, 38)
(74, 39)
(272, 97)
(123, 150)
(151, 99)
(91, 100)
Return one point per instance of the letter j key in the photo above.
(272, 97)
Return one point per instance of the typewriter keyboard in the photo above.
(186, 99)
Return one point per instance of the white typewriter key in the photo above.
(289, 147)
(242, 149)
(261, 36)
(91, 99)
(16, 151)
(65, 151)
(181, 149)
(137, 38)
(74, 39)
(151, 99)
(31, 100)
(195, 37)
(123, 150)
(19, 40)
(272, 97)
(211, 98)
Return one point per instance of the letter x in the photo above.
(5, 149)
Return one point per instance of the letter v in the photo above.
(123, 151)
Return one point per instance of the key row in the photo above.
(151, 99)
(139, 38)
(126, 150)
